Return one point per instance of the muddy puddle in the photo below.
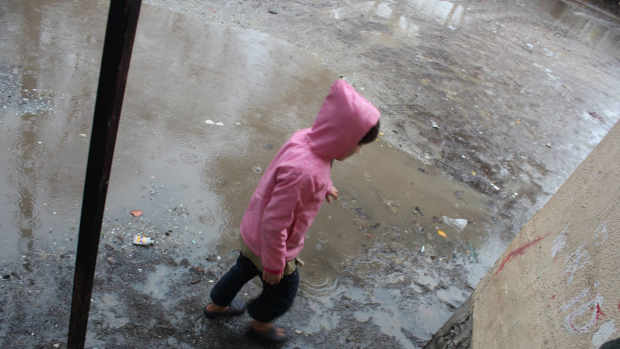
(206, 109)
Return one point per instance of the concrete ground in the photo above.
(520, 92)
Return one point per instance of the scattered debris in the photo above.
(360, 212)
(273, 12)
(495, 186)
(529, 48)
(566, 86)
(434, 124)
(111, 260)
(219, 123)
(6, 277)
(473, 173)
(210, 9)
(82, 134)
(380, 133)
(442, 233)
(257, 170)
(419, 211)
(142, 240)
(422, 170)
(422, 251)
(136, 213)
(196, 281)
(298, 331)
(269, 147)
(548, 145)
(436, 219)
(210, 281)
(458, 224)
(375, 226)
(596, 116)
(209, 122)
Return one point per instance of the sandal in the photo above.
(272, 334)
(236, 308)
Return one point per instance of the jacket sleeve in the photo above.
(279, 215)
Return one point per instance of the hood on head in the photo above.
(343, 120)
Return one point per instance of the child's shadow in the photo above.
(232, 333)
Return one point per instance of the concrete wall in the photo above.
(558, 283)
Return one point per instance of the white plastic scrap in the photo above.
(209, 122)
(458, 224)
(142, 240)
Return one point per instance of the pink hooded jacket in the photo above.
(297, 181)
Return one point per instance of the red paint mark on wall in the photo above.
(519, 251)
(618, 305)
(592, 307)
(599, 312)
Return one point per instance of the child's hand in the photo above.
(271, 279)
(332, 195)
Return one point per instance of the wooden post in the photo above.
(117, 47)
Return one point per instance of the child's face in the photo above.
(358, 149)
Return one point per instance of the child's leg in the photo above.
(231, 283)
(275, 299)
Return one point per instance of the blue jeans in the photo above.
(274, 301)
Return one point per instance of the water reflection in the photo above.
(447, 13)
(42, 128)
(592, 30)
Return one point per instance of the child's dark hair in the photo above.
(371, 135)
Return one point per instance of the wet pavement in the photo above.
(215, 89)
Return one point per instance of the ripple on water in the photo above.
(322, 236)
(17, 180)
(232, 234)
(42, 154)
(137, 157)
(29, 223)
(26, 127)
(318, 281)
(207, 217)
(6, 199)
(224, 214)
(32, 245)
(32, 163)
(41, 189)
(59, 206)
(189, 158)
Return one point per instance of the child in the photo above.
(284, 206)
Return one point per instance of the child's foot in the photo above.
(269, 331)
(214, 311)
